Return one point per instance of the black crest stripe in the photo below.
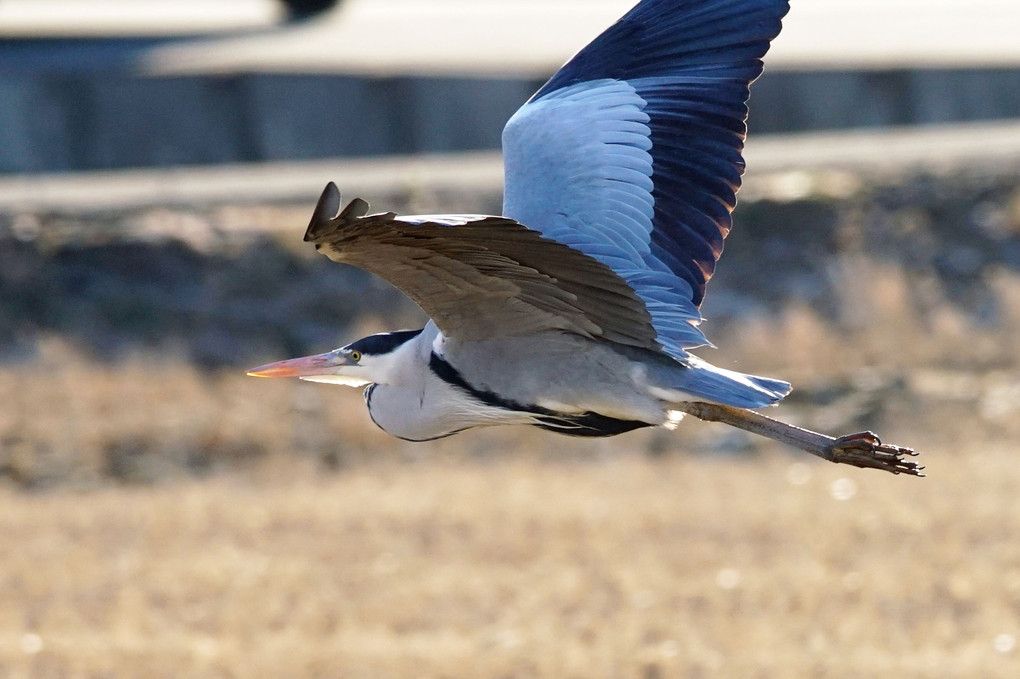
(378, 345)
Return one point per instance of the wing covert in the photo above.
(481, 277)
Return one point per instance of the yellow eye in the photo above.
(355, 356)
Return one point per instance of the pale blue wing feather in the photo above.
(631, 152)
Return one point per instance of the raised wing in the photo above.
(631, 153)
(482, 277)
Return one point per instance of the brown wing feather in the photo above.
(486, 278)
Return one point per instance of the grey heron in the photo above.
(577, 309)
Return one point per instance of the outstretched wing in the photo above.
(482, 277)
(631, 153)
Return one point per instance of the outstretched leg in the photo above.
(864, 449)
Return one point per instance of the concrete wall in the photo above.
(85, 108)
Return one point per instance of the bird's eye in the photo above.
(355, 356)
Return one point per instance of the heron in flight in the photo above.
(577, 309)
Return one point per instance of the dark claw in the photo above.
(865, 449)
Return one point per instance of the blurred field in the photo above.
(624, 567)
(162, 515)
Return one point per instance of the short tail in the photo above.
(727, 387)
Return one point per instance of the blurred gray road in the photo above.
(777, 164)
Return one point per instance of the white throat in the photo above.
(345, 380)
(402, 367)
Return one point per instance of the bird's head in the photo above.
(376, 358)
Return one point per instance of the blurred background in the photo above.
(163, 515)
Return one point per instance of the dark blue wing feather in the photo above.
(667, 37)
(632, 151)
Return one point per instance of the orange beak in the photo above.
(307, 366)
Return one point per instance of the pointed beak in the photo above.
(307, 366)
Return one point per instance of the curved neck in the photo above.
(412, 402)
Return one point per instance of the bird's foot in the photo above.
(866, 450)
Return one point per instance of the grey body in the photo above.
(521, 319)
(553, 374)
